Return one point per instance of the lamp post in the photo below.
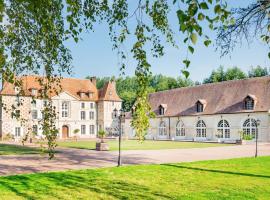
(256, 139)
(121, 118)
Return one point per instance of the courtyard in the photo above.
(171, 181)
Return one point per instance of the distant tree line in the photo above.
(126, 87)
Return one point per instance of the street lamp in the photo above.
(257, 131)
(121, 118)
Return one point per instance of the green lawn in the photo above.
(10, 149)
(136, 145)
(247, 178)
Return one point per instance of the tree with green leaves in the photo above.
(258, 71)
(235, 73)
(33, 35)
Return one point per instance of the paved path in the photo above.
(81, 159)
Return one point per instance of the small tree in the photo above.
(101, 135)
(75, 132)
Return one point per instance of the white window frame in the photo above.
(18, 132)
(201, 129)
(223, 129)
(91, 129)
(250, 127)
(34, 114)
(162, 129)
(83, 129)
(83, 117)
(180, 129)
(91, 115)
(82, 105)
(65, 109)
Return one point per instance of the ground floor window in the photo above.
(180, 129)
(17, 131)
(223, 129)
(83, 129)
(162, 129)
(35, 129)
(201, 129)
(92, 129)
(250, 128)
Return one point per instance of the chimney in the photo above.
(93, 79)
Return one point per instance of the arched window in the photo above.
(180, 129)
(199, 107)
(223, 129)
(162, 129)
(250, 127)
(65, 109)
(201, 129)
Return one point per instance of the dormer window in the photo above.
(200, 105)
(34, 92)
(82, 94)
(91, 94)
(162, 109)
(249, 102)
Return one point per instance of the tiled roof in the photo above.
(70, 85)
(223, 97)
(108, 92)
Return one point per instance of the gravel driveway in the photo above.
(80, 159)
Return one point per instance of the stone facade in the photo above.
(75, 112)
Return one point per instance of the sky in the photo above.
(93, 54)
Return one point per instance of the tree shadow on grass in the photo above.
(217, 171)
(45, 185)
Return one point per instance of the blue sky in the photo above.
(93, 55)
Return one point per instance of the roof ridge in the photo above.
(215, 83)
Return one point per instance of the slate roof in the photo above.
(223, 97)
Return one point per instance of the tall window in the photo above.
(34, 114)
(91, 105)
(82, 105)
(92, 129)
(250, 128)
(65, 109)
(201, 129)
(180, 130)
(161, 110)
(91, 115)
(199, 107)
(223, 129)
(83, 129)
(249, 103)
(17, 131)
(35, 129)
(82, 115)
(162, 129)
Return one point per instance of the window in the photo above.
(34, 114)
(45, 103)
(17, 90)
(16, 114)
(180, 130)
(91, 115)
(91, 105)
(249, 103)
(250, 128)
(199, 107)
(83, 129)
(17, 131)
(223, 129)
(201, 129)
(82, 115)
(113, 103)
(91, 94)
(92, 129)
(65, 109)
(162, 129)
(82, 105)
(34, 103)
(34, 92)
(35, 129)
(17, 100)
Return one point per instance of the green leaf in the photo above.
(207, 43)
(204, 6)
(191, 49)
(217, 9)
(186, 62)
(201, 16)
(185, 72)
(193, 38)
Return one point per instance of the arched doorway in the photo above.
(65, 131)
